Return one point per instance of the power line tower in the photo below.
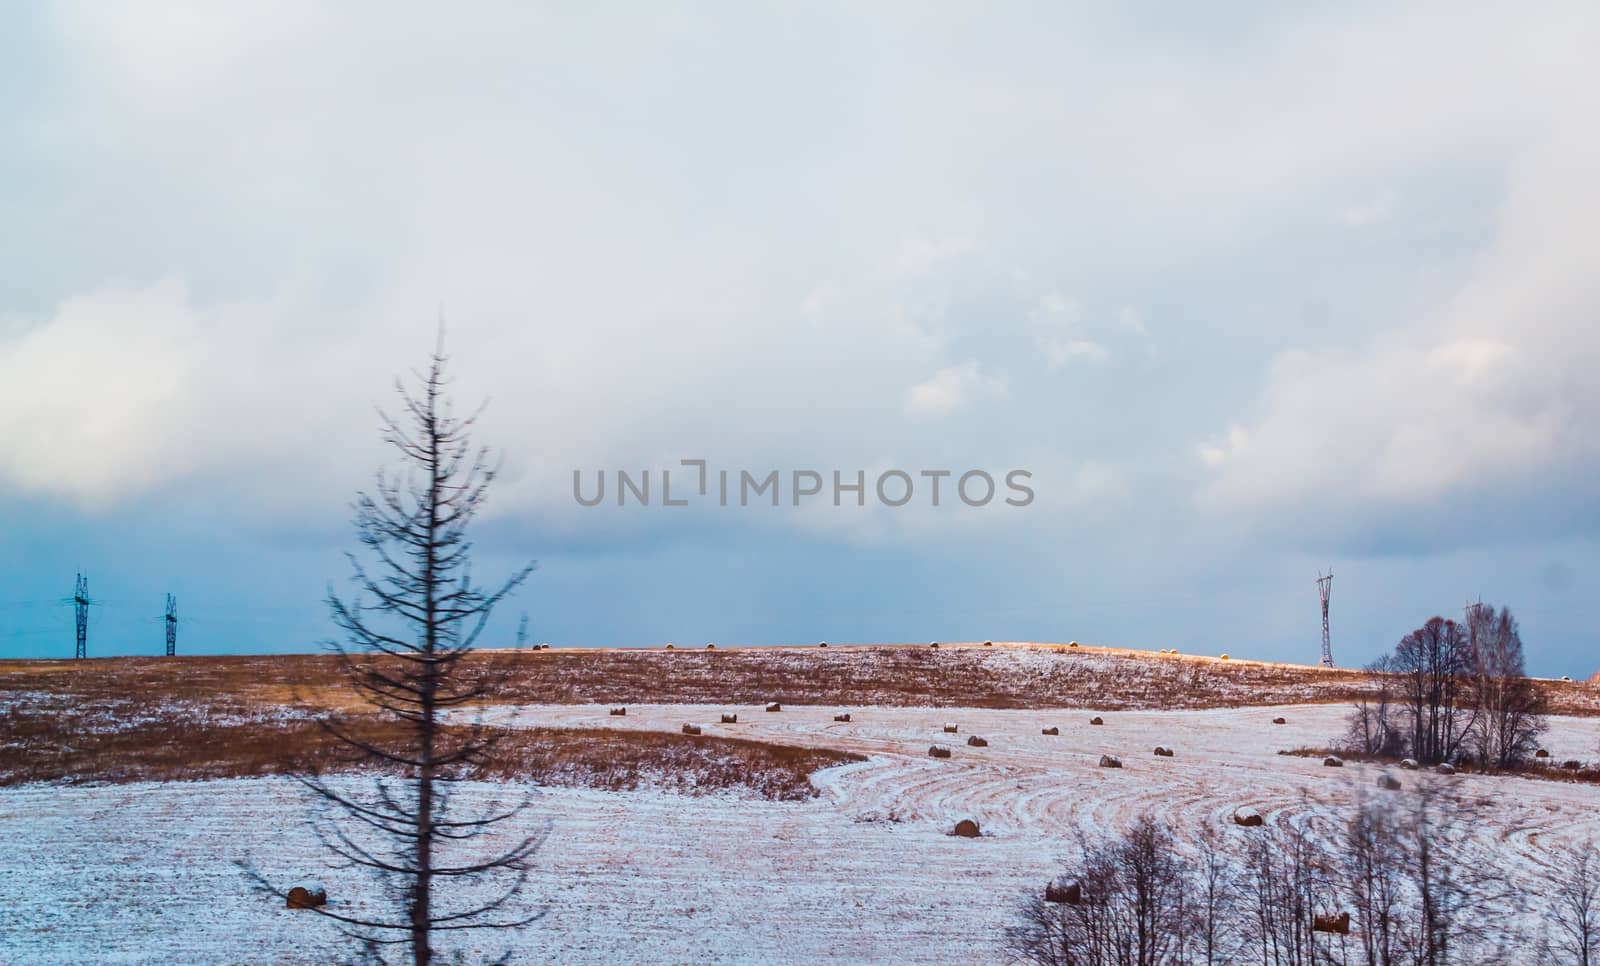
(80, 604)
(172, 625)
(1324, 588)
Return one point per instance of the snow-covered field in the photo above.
(865, 872)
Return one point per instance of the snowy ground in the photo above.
(865, 872)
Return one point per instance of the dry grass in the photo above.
(43, 738)
(998, 677)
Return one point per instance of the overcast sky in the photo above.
(1249, 297)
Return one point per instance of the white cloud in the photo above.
(1487, 392)
(1369, 212)
(919, 256)
(1062, 352)
(96, 398)
(951, 388)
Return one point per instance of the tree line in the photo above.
(1398, 884)
(1454, 692)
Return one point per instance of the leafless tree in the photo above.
(416, 614)
(1509, 708)
(1372, 728)
(1433, 664)
(1131, 910)
(1214, 908)
(1375, 865)
(1287, 884)
(1574, 905)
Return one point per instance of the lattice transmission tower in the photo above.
(1324, 588)
(171, 619)
(80, 606)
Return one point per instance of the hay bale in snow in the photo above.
(966, 828)
(842, 717)
(1409, 764)
(1075, 644)
(1445, 768)
(1097, 720)
(1330, 923)
(933, 643)
(1224, 657)
(618, 712)
(1572, 765)
(1069, 892)
(1333, 761)
(1052, 730)
(938, 751)
(977, 742)
(822, 643)
(1162, 751)
(1389, 783)
(1110, 761)
(774, 706)
(1541, 753)
(711, 647)
(1247, 817)
(669, 647)
(988, 643)
(730, 719)
(1280, 720)
(949, 727)
(691, 729)
(307, 895)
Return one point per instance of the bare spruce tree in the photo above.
(415, 616)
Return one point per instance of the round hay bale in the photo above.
(1331, 923)
(1075, 644)
(1409, 764)
(950, 727)
(670, 647)
(1566, 678)
(1162, 751)
(1333, 761)
(822, 643)
(1067, 892)
(711, 647)
(1247, 817)
(1280, 720)
(1110, 761)
(1097, 720)
(730, 719)
(977, 742)
(1389, 783)
(933, 643)
(691, 729)
(1224, 657)
(1445, 768)
(966, 828)
(618, 712)
(307, 895)
(988, 643)
(1541, 753)
(1052, 730)
(1572, 765)
(842, 717)
(774, 706)
(938, 751)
